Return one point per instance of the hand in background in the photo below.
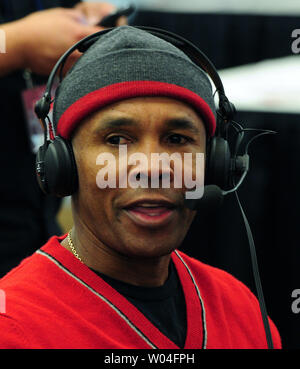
(95, 11)
(38, 40)
(46, 35)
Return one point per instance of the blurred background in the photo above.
(250, 43)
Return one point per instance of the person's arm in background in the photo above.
(39, 39)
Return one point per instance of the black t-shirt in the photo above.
(164, 306)
(27, 216)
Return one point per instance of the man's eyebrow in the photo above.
(183, 123)
(110, 123)
(172, 123)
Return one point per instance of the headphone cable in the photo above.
(256, 275)
(253, 255)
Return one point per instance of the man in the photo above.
(35, 37)
(118, 280)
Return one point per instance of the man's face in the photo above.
(158, 222)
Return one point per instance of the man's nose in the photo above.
(151, 166)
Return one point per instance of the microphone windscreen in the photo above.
(211, 199)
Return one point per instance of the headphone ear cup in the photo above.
(61, 178)
(218, 163)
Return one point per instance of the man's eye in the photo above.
(178, 139)
(117, 140)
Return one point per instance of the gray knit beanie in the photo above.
(128, 62)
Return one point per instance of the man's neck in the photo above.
(147, 272)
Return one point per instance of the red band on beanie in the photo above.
(107, 95)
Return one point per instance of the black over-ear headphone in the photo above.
(55, 163)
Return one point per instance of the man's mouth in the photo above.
(151, 214)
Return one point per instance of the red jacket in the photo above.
(55, 301)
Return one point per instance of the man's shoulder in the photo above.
(31, 268)
(221, 290)
(225, 295)
(23, 289)
(218, 284)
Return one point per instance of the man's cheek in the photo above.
(106, 171)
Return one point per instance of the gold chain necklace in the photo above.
(71, 245)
